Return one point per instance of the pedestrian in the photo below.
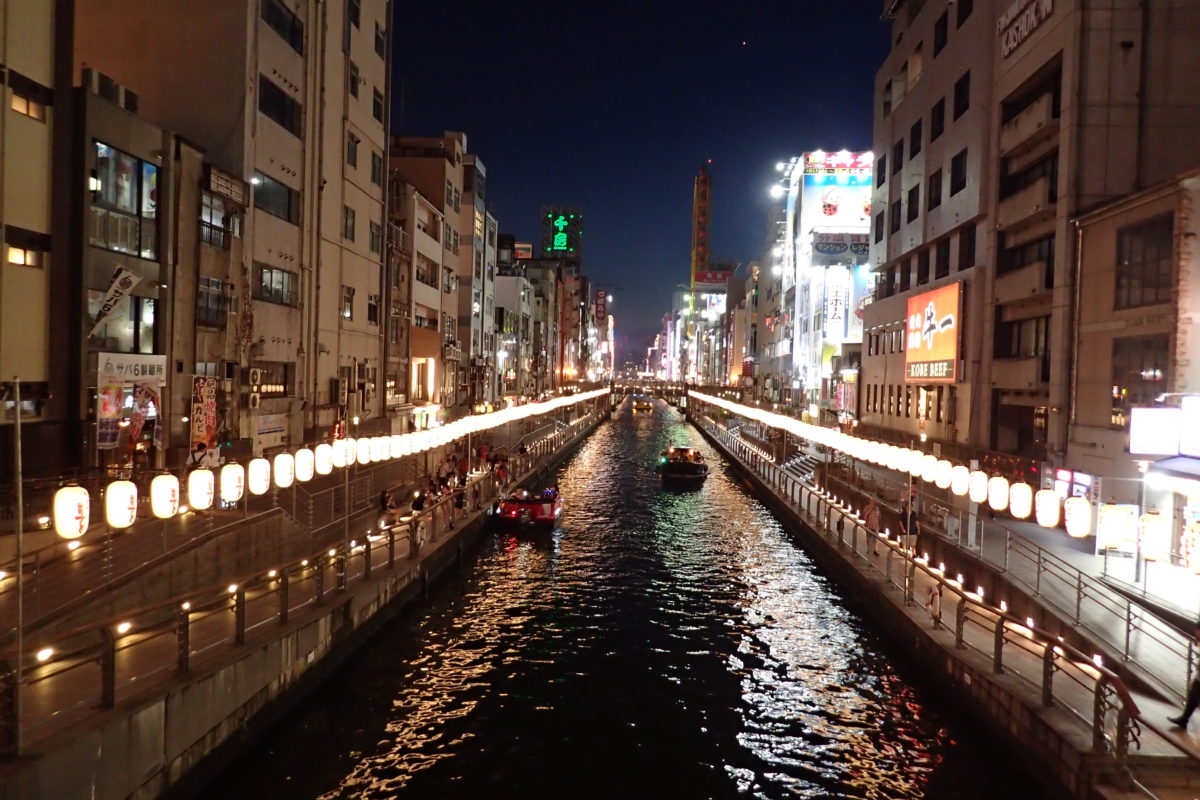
(199, 456)
(464, 466)
(385, 501)
(483, 454)
(502, 474)
(871, 518)
(934, 604)
(1193, 695)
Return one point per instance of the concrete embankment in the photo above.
(170, 736)
(1033, 696)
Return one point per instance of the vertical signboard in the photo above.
(931, 345)
(204, 411)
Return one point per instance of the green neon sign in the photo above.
(560, 236)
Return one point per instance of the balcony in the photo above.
(1034, 124)
(1023, 283)
(1021, 373)
(1031, 204)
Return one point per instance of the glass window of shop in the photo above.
(124, 213)
(130, 328)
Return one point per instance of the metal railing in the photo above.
(1062, 676)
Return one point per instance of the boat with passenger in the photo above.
(682, 465)
(642, 403)
(524, 507)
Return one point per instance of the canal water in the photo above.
(661, 644)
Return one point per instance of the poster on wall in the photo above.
(836, 199)
(109, 396)
(204, 412)
(931, 343)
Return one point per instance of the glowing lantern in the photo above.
(284, 469)
(120, 503)
(1046, 508)
(323, 458)
(916, 463)
(929, 468)
(1020, 500)
(960, 480)
(201, 489)
(164, 496)
(341, 451)
(943, 474)
(379, 448)
(1155, 533)
(397, 445)
(406, 444)
(305, 464)
(362, 449)
(903, 459)
(72, 512)
(998, 493)
(259, 476)
(233, 482)
(1078, 512)
(978, 486)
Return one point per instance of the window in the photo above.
(214, 222)
(354, 12)
(352, 80)
(942, 267)
(914, 139)
(914, 202)
(934, 194)
(352, 149)
(897, 156)
(278, 377)
(285, 23)
(29, 97)
(274, 285)
(937, 120)
(962, 94)
(881, 170)
(22, 257)
(1139, 373)
(28, 106)
(25, 248)
(1145, 262)
(923, 267)
(1035, 252)
(278, 105)
(376, 168)
(966, 248)
(375, 238)
(377, 104)
(129, 329)
(1044, 168)
(894, 222)
(941, 30)
(274, 198)
(964, 10)
(210, 302)
(879, 227)
(348, 223)
(124, 212)
(1023, 338)
(373, 309)
(347, 302)
(426, 271)
(380, 41)
(449, 201)
(958, 173)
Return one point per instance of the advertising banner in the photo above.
(710, 280)
(204, 411)
(931, 346)
(523, 250)
(836, 198)
(837, 303)
(144, 395)
(109, 396)
(123, 281)
(132, 368)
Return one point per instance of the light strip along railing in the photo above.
(90, 669)
(1062, 676)
(1162, 653)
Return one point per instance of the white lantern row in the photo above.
(72, 504)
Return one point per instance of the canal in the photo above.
(660, 644)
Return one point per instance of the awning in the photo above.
(1181, 466)
(1178, 474)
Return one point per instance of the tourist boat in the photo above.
(642, 403)
(523, 507)
(682, 465)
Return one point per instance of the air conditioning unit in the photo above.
(256, 376)
(338, 390)
(255, 400)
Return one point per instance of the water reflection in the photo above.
(661, 644)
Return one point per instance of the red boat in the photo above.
(523, 507)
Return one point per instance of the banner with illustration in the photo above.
(109, 397)
(204, 412)
(144, 395)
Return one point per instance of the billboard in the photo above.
(562, 232)
(523, 251)
(712, 280)
(836, 195)
(931, 343)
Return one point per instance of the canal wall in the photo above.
(1055, 753)
(170, 741)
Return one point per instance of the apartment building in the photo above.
(514, 331)
(476, 299)
(297, 108)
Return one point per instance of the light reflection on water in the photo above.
(661, 644)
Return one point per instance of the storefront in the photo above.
(128, 396)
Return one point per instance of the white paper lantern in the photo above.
(978, 486)
(916, 463)
(164, 496)
(72, 511)
(284, 470)
(397, 445)
(258, 474)
(998, 493)
(306, 462)
(903, 459)
(1079, 516)
(960, 480)
(929, 468)
(202, 489)
(362, 449)
(323, 458)
(406, 444)
(120, 504)
(1047, 508)
(1020, 500)
(943, 474)
(233, 482)
(379, 448)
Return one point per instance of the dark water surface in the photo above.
(660, 645)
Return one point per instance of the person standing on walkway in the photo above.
(871, 517)
(1193, 695)
(934, 604)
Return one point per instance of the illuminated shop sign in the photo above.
(931, 346)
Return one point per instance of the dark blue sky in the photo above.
(613, 106)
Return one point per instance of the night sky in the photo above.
(613, 106)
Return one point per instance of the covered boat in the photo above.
(682, 464)
(523, 507)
